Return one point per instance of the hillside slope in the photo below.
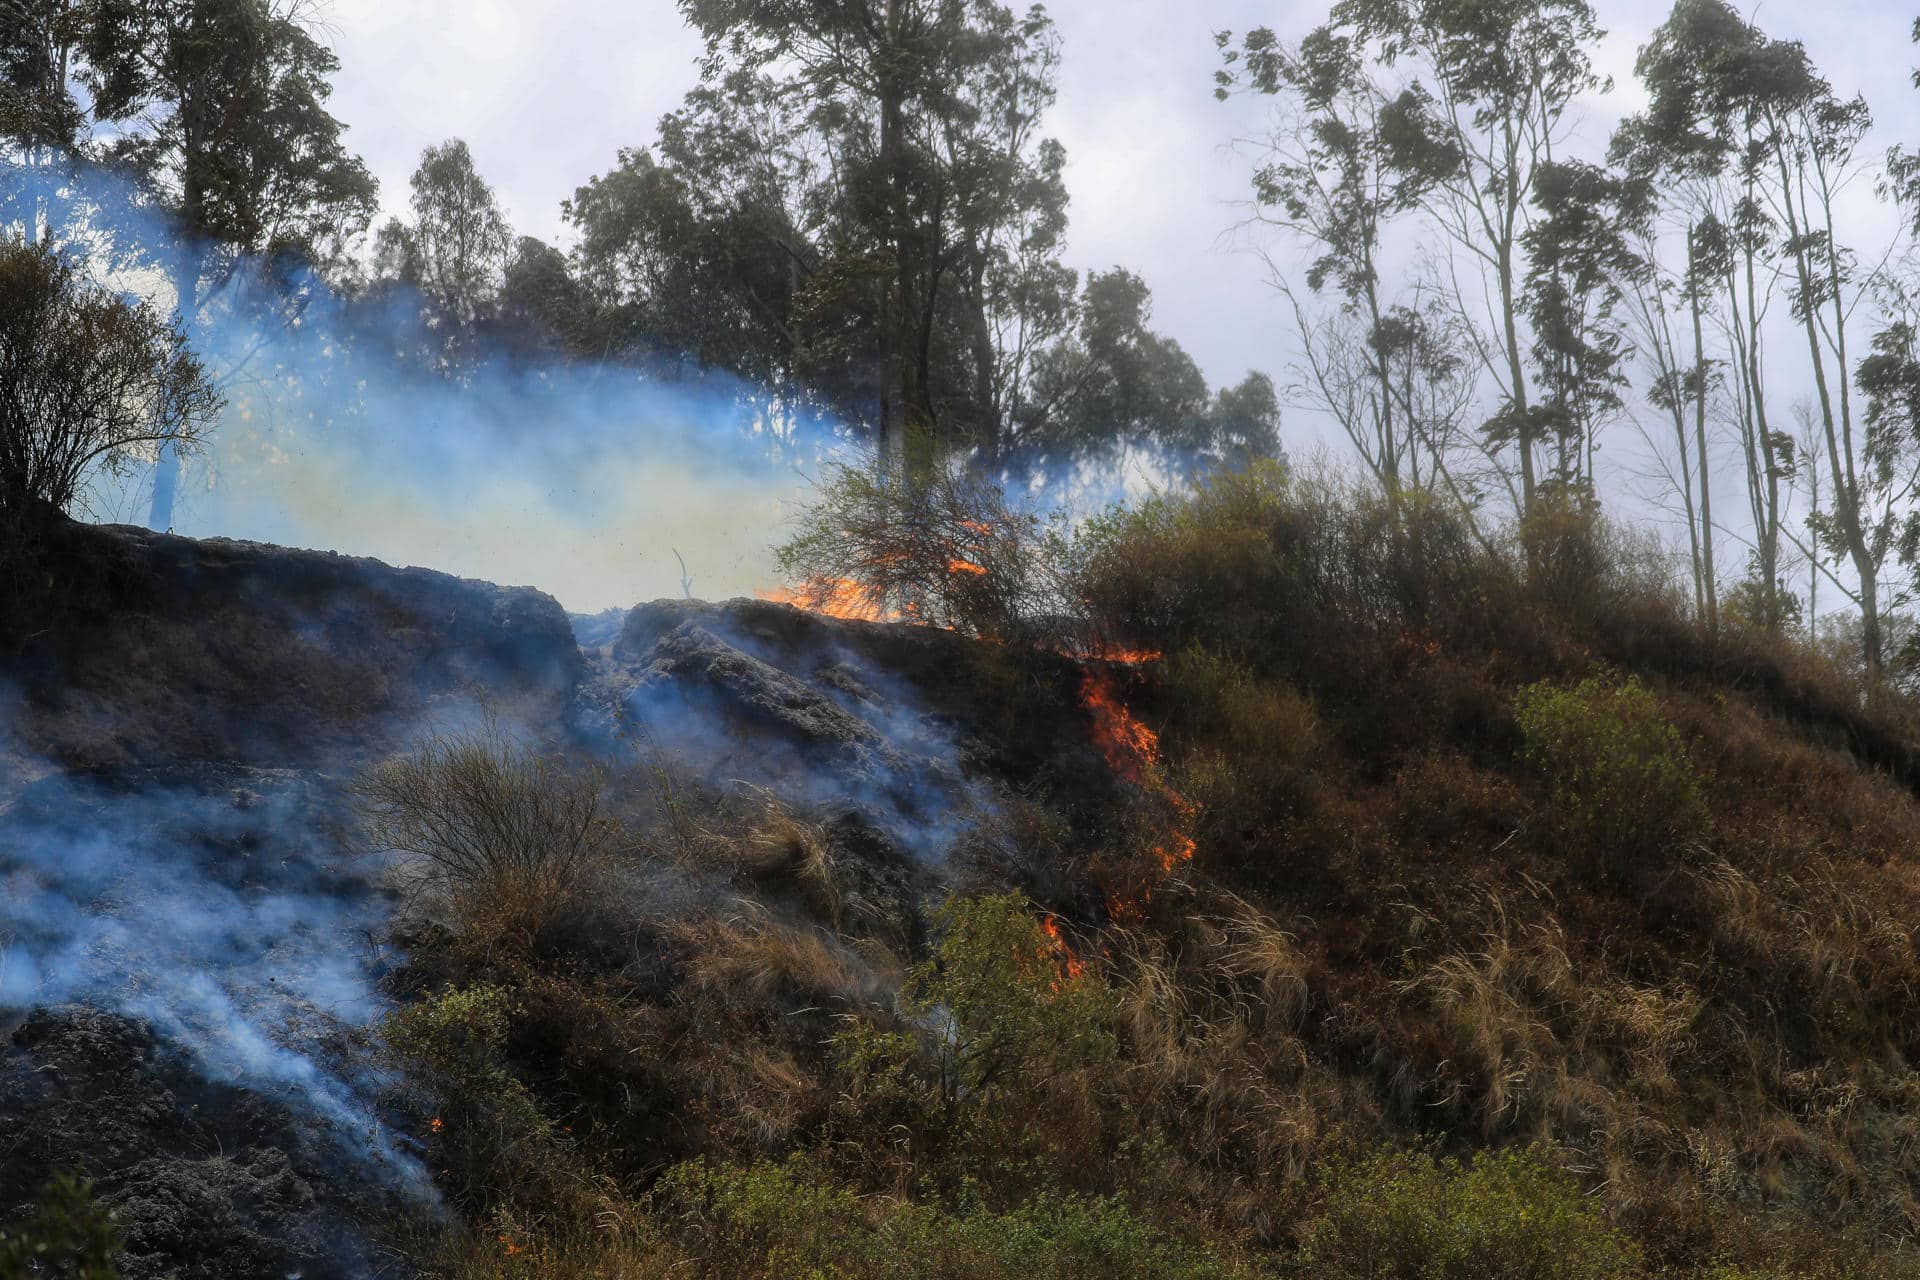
(1400, 841)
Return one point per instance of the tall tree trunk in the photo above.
(1707, 571)
(894, 308)
(1839, 436)
(1757, 395)
(1517, 373)
(186, 298)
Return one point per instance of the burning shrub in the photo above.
(945, 549)
(492, 824)
(1412, 1216)
(1622, 785)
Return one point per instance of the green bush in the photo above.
(784, 1221)
(990, 1073)
(1000, 1004)
(1622, 785)
(489, 1139)
(1246, 747)
(67, 1237)
(1414, 1216)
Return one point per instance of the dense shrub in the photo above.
(989, 1069)
(1000, 1003)
(1415, 1216)
(1246, 746)
(1622, 785)
(488, 1138)
(780, 1221)
(67, 1237)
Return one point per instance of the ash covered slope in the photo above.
(189, 954)
(168, 648)
(193, 955)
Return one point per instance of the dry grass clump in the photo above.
(503, 835)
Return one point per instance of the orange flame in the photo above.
(957, 565)
(836, 598)
(436, 1124)
(1070, 964)
(1132, 750)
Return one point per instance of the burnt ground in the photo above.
(193, 954)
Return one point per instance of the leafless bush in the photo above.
(484, 815)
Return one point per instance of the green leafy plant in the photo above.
(1414, 1216)
(786, 1220)
(68, 1236)
(489, 1137)
(1622, 785)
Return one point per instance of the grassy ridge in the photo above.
(1526, 931)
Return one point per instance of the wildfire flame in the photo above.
(957, 565)
(836, 598)
(1070, 964)
(1130, 747)
(1132, 750)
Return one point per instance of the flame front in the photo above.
(1071, 965)
(836, 598)
(1132, 750)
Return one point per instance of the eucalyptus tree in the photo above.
(455, 251)
(1576, 251)
(1385, 361)
(1491, 89)
(1888, 477)
(1712, 138)
(41, 116)
(929, 198)
(1115, 383)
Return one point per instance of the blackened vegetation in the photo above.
(153, 648)
(205, 1180)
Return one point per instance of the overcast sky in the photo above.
(546, 93)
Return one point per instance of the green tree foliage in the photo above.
(68, 1236)
(40, 116)
(857, 211)
(218, 109)
(1326, 176)
(1115, 380)
(458, 247)
(1488, 102)
(1623, 788)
